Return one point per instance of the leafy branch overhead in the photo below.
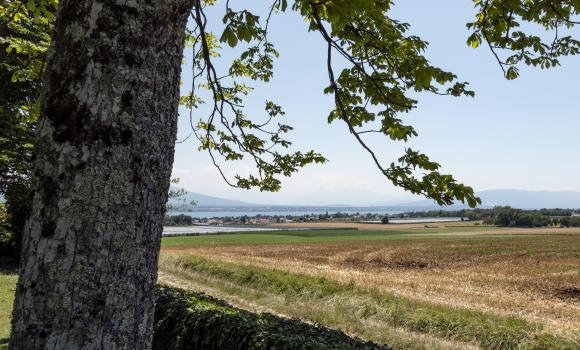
(385, 66)
(228, 132)
(499, 24)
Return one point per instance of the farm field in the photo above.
(331, 232)
(446, 287)
(464, 227)
(449, 287)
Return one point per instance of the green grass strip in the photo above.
(309, 236)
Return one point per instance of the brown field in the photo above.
(362, 226)
(469, 227)
(534, 276)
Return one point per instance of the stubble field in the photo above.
(450, 287)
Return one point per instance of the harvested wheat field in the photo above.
(463, 227)
(515, 290)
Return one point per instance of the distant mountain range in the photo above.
(530, 199)
(204, 201)
(515, 198)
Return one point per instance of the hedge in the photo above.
(188, 320)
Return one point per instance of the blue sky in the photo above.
(522, 134)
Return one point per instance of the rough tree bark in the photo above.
(103, 161)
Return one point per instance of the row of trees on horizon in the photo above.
(499, 216)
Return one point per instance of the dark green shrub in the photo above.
(13, 215)
(5, 232)
(192, 321)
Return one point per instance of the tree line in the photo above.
(508, 216)
(177, 220)
(498, 216)
(511, 217)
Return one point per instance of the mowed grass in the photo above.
(276, 237)
(8, 278)
(409, 288)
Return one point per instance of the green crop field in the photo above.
(276, 238)
(317, 236)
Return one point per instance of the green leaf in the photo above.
(229, 36)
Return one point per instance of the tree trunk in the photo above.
(102, 165)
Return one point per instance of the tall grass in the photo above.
(187, 320)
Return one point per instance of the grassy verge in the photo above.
(8, 279)
(363, 311)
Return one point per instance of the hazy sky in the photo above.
(522, 134)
